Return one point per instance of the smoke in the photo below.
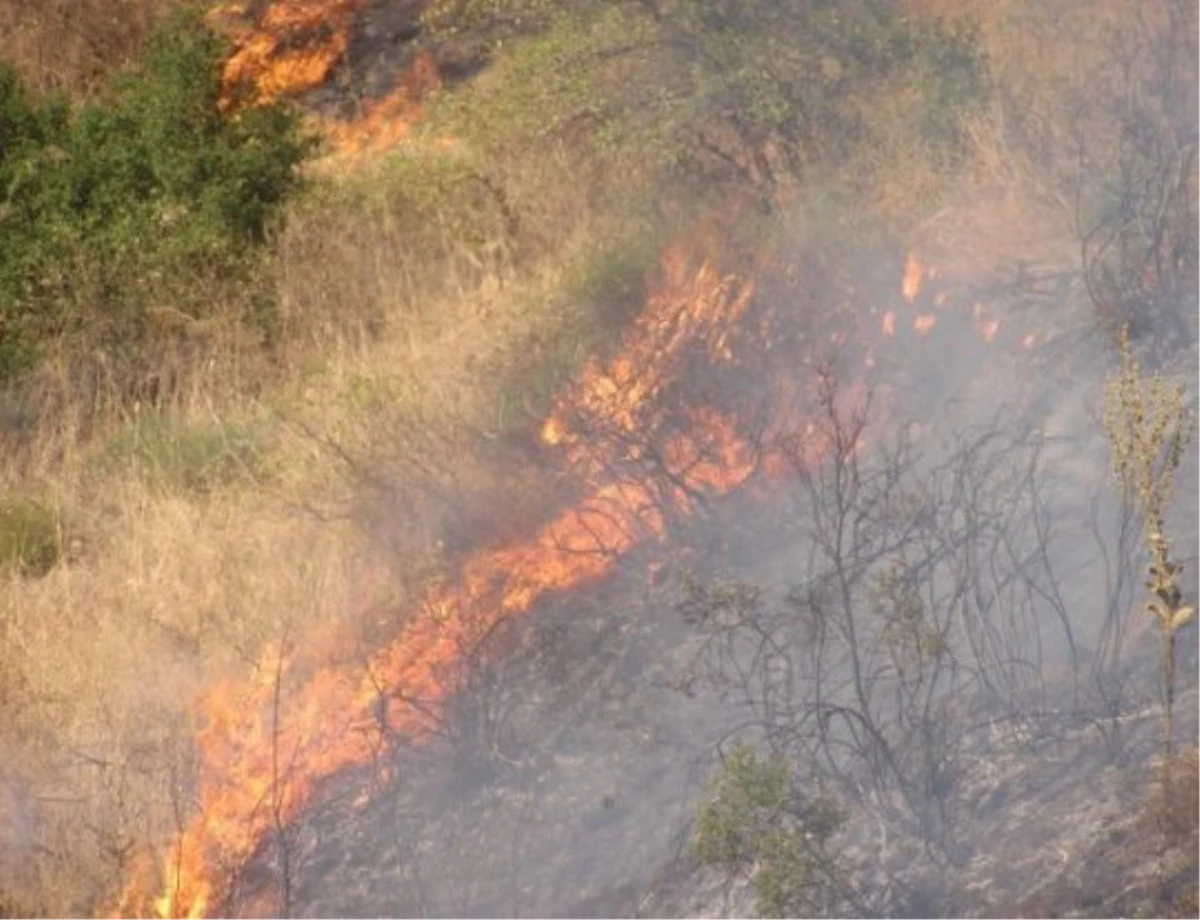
(568, 767)
(556, 769)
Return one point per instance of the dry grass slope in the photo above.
(195, 535)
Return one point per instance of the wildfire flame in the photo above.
(286, 49)
(912, 285)
(923, 323)
(914, 276)
(263, 753)
(388, 120)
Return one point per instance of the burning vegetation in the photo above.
(686, 286)
(336, 718)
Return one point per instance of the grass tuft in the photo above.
(29, 536)
(170, 454)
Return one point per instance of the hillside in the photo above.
(652, 458)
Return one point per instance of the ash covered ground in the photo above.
(567, 777)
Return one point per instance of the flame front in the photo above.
(263, 753)
(914, 277)
(288, 48)
(387, 121)
(640, 458)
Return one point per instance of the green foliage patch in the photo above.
(29, 536)
(714, 96)
(153, 197)
(754, 818)
(172, 455)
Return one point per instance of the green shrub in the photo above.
(611, 279)
(28, 536)
(754, 818)
(169, 454)
(147, 198)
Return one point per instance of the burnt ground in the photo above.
(566, 776)
(578, 803)
(565, 808)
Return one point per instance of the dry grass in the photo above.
(165, 591)
(70, 45)
(1048, 140)
(1175, 802)
(267, 493)
(1170, 828)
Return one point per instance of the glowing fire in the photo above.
(911, 285)
(923, 324)
(264, 752)
(914, 276)
(388, 120)
(986, 326)
(263, 755)
(287, 48)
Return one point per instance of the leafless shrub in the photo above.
(1135, 189)
(927, 626)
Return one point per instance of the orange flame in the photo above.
(911, 285)
(386, 121)
(914, 276)
(923, 323)
(286, 49)
(987, 327)
(889, 323)
(263, 754)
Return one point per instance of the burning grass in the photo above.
(337, 717)
(283, 49)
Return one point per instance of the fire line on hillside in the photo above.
(607, 432)
(610, 420)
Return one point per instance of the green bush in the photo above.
(28, 536)
(754, 818)
(148, 198)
